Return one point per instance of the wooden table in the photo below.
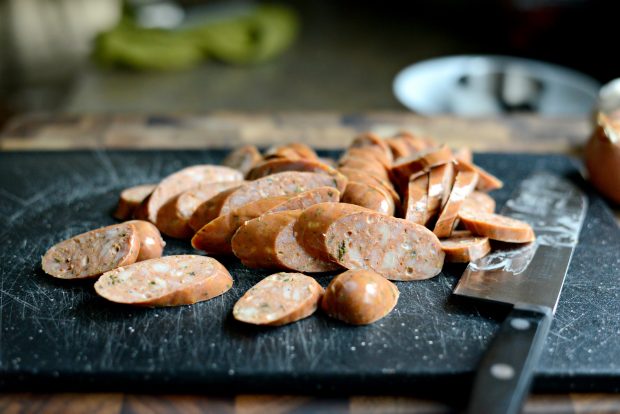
(318, 129)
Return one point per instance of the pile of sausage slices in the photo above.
(388, 209)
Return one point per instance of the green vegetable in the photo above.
(342, 250)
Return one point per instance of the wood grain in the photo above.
(319, 129)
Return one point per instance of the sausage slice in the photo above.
(279, 299)
(277, 165)
(167, 281)
(463, 247)
(497, 227)
(173, 217)
(214, 237)
(312, 225)
(420, 161)
(186, 179)
(369, 139)
(464, 185)
(151, 243)
(293, 150)
(284, 183)
(372, 154)
(363, 164)
(269, 242)
(395, 248)
(130, 199)
(369, 178)
(439, 186)
(243, 159)
(93, 253)
(369, 196)
(359, 297)
(479, 201)
(416, 200)
(487, 181)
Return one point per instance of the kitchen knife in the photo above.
(529, 277)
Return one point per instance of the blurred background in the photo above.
(141, 56)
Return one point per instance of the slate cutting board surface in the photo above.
(59, 335)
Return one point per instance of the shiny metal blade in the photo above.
(532, 274)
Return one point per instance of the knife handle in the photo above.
(506, 370)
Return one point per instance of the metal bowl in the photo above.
(493, 85)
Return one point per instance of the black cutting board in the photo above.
(57, 334)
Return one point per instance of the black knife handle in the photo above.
(505, 373)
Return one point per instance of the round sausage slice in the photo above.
(367, 165)
(93, 253)
(279, 299)
(130, 199)
(151, 243)
(464, 154)
(184, 180)
(479, 202)
(369, 196)
(463, 247)
(312, 225)
(174, 216)
(269, 242)
(497, 227)
(243, 159)
(395, 248)
(464, 185)
(278, 165)
(284, 183)
(359, 297)
(420, 161)
(293, 150)
(486, 182)
(369, 139)
(373, 154)
(167, 281)
(371, 179)
(214, 237)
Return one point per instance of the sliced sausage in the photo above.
(278, 165)
(184, 180)
(399, 148)
(167, 281)
(284, 183)
(416, 200)
(373, 154)
(359, 297)
(369, 196)
(464, 154)
(279, 299)
(420, 161)
(269, 242)
(214, 237)
(479, 201)
(93, 253)
(486, 182)
(364, 239)
(395, 248)
(210, 209)
(243, 159)
(293, 150)
(312, 225)
(308, 198)
(463, 247)
(367, 166)
(151, 243)
(130, 199)
(497, 227)
(369, 178)
(439, 186)
(369, 139)
(173, 217)
(415, 143)
(464, 185)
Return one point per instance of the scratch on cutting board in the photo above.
(107, 164)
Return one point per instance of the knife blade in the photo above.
(530, 278)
